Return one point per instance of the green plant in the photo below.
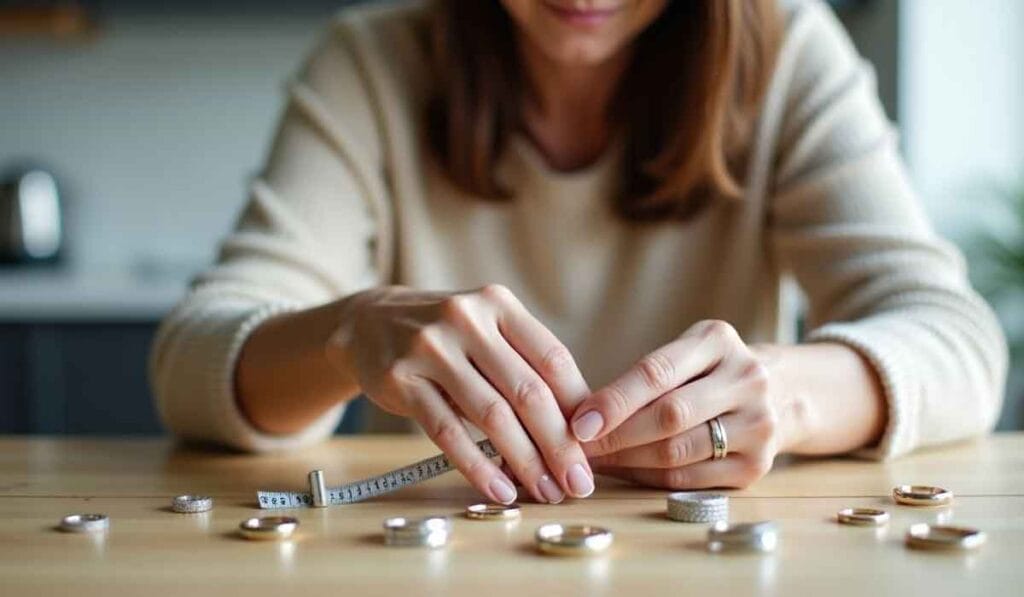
(996, 254)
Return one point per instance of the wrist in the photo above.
(793, 408)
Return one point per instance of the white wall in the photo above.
(962, 100)
(153, 127)
(962, 116)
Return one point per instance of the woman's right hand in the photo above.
(480, 355)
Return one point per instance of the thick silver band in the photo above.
(192, 504)
(84, 523)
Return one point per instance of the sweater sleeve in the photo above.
(846, 224)
(315, 229)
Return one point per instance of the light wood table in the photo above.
(151, 551)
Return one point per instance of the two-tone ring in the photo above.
(493, 512)
(863, 517)
(922, 495)
(719, 440)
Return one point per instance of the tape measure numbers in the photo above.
(368, 488)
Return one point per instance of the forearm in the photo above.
(829, 399)
(284, 379)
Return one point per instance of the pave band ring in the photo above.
(191, 504)
(719, 440)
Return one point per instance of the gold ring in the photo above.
(493, 512)
(268, 527)
(864, 517)
(573, 539)
(922, 495)
(926, 536)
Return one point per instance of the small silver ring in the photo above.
(719, 439)
(268, 528)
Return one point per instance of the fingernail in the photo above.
(502, 491)
(580, 482)
(549, 489)
(588, 426)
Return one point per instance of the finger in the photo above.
(540, 348)
(447, 431)
(534, 403)
(489, 411)
(670, 415)
(689, 447)
(731, 472)
(669, 367)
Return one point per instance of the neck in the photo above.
(565, 108)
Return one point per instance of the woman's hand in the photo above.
(480, 355)
(651, 424)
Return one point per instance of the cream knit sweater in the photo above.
(350, 198)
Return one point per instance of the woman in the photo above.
(568, 224)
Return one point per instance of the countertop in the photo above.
(76, 295)
(151, 551)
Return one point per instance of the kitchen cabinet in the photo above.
(84, 378)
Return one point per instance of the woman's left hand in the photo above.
(651, 424)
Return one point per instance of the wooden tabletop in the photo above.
(150, 550)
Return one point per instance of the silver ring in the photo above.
(750, 536)
(697, 506)
(432, 531)
(572, 539)
(719, 440)
(192, 504)
(268, 528)
(84, 523)
(926, 536)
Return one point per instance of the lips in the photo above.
(582, 16)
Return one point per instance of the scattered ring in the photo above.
(268, 528)
(697, 506)
(863, 517)
(573, 539)
(926, 536)
(192, 504)
(84, 523)
(922, 495)
(751, 536)
(493, 512)
(432, 531)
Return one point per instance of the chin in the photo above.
(579, 52)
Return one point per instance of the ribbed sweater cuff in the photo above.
(883, 353)
(220, 345)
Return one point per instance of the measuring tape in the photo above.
(368, 488)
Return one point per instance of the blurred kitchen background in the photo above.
(150, 117)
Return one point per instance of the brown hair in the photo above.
(686, 105)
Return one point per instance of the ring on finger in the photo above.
(719, 439)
